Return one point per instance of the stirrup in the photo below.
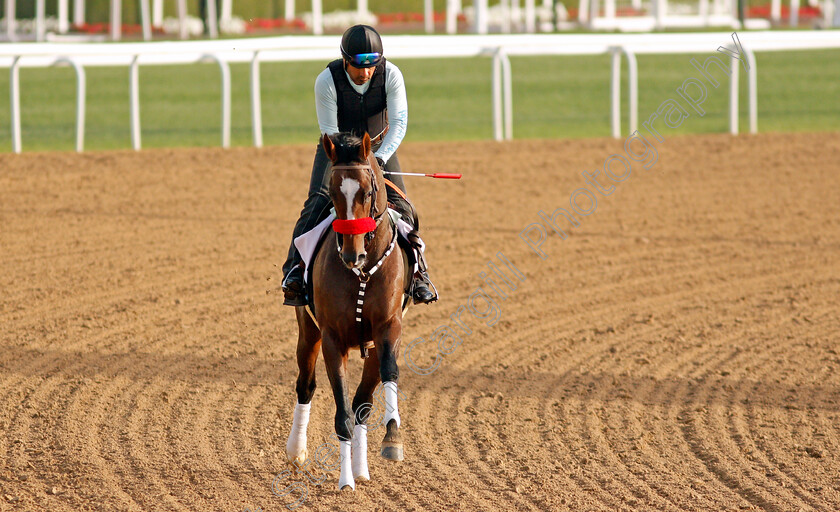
(293, 288)
(421, 283)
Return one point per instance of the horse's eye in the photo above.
(369, 194)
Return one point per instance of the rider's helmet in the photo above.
(361, 46)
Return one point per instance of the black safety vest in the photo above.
(360, 113)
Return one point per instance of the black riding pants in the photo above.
(318, 204)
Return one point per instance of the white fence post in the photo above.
(609, 10)
(40, 25)
(583, 12)
(134, 107)
(81, 92)
(289, 11)
(157, 13)
(429, 16)
(78, 12)
(212, 20)
(615, 92)
(317, 18)
(480, 16)
(775, 11)
(227, 13)
(256, 101)
(733, 96)
(145, 21)
(497, 96)
(633, 77)
(507, 91)
(14, 93)
(828, 13)
(516, 15)
(794, 13)
(660, 8)
(452, 16)
(530, 17)
(225, 71)
(116, 20)
(80, 101)
(502, 96)
(63, 16)
(182, 19)
(704, 12)
(752, 83)
(11, 21)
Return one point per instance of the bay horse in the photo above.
(358, 282)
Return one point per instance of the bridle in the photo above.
(366, 225)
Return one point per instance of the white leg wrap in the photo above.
(391, 410)
(359, 451)
(346, 476)
(296, 445)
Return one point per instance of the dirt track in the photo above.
(679, 351)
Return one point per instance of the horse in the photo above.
(358, 283)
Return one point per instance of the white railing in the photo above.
(324, 48)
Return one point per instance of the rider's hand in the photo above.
(381, 163)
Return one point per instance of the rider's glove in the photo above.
(381, 163)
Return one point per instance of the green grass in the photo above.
(562, 97)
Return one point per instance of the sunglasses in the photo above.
(365, 59)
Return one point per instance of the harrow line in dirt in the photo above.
(723, 469)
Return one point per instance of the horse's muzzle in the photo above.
(353, 260)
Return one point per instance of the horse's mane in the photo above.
(346, 147)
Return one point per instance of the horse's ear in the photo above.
(364, 149)
(329, 147)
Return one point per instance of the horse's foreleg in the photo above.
(387, 348)
(362, 407)
(309, 343)
(336, 363)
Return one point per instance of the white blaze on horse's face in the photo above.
(353, 247)
(349, 187)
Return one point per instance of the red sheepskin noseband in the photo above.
(354, 226)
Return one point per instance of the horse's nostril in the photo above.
(360, 259)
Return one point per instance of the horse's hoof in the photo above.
(392, 451)
(392, 447)
(348, 486)
(362, 478)
(298, 459)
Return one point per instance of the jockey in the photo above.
(359, 93)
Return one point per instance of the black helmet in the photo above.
(362, 46)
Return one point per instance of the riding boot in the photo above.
(294, 293)
(422, 289)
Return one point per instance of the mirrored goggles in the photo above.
(365, 59)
